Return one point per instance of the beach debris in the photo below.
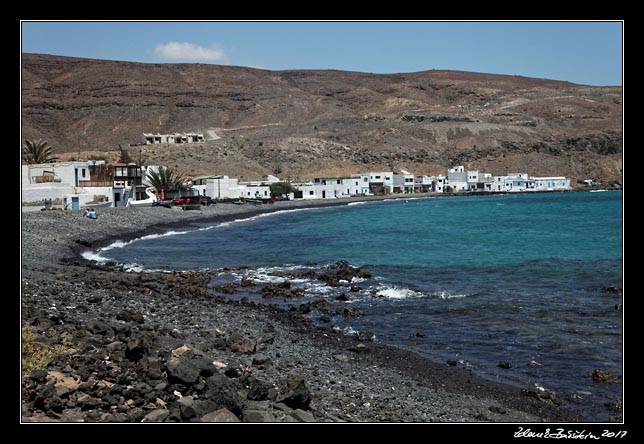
(505, 365)
(541, 394)
(452, 362)
(534, 363)
(219, 364)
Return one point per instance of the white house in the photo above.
(438, 183)
(551, 183)
(219, 187)
(381, 182)
(151, 139)
(456, 179)
(67, 184)
(330, 188)
(403, 182)
(423, 184)
(518, 182)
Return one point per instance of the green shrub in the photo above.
(36, 355)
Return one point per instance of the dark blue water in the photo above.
(480, 279)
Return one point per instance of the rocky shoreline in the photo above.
(163, 347)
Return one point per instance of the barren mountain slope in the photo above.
(323, 122)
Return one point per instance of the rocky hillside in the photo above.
(312, 123)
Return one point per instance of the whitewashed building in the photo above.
(381, 182)
(75, 184)
(518, 182)
(423, 184)
(456, 179)
(224, 187)
(403, 182)
(551, 183)
(331, 188)
(152, 139)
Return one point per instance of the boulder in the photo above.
(135, 349)
(302, 416)
(261, 360)
(258, 390)
(156, 415)
(130, 316)
(600, 375)
(100, 328)
(223, 392)
(240, 344)
(295, 393)
(187, 370)
(257, 416)
(221, 415)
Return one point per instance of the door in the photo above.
(75, 204)
(323, 194)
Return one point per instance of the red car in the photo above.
(187, 200)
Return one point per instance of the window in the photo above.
(83, 173)
(311, 193)
(387, 178)
(265, 193)
(357, 183)
(366, 179)
(339, 182)
(377, 177)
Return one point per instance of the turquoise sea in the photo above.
(475, 279)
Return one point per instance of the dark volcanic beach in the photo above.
(163, 347)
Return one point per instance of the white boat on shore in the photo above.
(152, 198)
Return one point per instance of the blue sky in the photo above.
(582, 52)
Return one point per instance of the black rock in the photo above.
(505, 365)
(135, 349)
(130, 316)
(452, 362)
(100, 328)
(342, 297)
(258, 390)
(223, 392)
(38, 375)
(295, 394)
(186, 370)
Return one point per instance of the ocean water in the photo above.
(476, 279)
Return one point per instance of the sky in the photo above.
(588, 53)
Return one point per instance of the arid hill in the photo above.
(323, 122)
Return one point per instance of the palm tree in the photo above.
(37, 151)
(165, 179)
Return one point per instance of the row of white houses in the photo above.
(76, 184)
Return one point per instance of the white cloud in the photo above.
(189, 52)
